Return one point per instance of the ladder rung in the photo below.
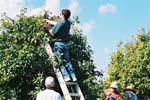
(70, 83)
(68, 96)
(75, 94)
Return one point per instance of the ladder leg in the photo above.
(63, 84)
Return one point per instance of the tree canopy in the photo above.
(130, 64)
(24, 63)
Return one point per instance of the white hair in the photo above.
(49, 82)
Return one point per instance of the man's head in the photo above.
(65, 13)
(49, 82)
(130, 88)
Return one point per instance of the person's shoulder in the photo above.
(40, 94)
(60, 23)
(51, 91)
(128, 92)
(56, 93)
(65, 21)
(108, 90)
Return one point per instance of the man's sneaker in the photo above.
(67, 79)
(74, 79)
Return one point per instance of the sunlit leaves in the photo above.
(130, 65)
(24, 63)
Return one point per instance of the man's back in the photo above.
(48, 95)
(61, 31)
(131, 95)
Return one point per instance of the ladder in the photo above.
(71, 90)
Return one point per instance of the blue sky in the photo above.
(105, 22)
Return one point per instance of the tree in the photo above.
(24, 63)
(130, 65)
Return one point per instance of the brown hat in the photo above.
(130, 88)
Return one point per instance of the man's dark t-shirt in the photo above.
(61, 31)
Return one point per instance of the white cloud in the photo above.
(11, 7)
(106, 9)
(50, 5)
(74, 7)
(87, 27)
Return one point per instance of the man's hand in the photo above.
(49, 24)
(126, 97)
(44, 20)
(49, 21)
(51, 33)
(108, 95)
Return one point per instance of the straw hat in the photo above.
(114, 85)
(130, 88)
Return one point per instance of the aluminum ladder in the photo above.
(71, 90)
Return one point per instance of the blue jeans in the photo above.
(61, 49)
(111, 98)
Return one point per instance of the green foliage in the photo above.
(24, 63)
(130, 65)
(80, 54)
(22, 57)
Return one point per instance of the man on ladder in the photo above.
(60, 34)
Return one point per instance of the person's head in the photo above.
(49, 82)
(130, 88)
(65, 13)
(114, 85)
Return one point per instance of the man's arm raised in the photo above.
(49, 21)
(51, 33)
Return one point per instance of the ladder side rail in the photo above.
(63, 85)
(79, 91)
(58, 74)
